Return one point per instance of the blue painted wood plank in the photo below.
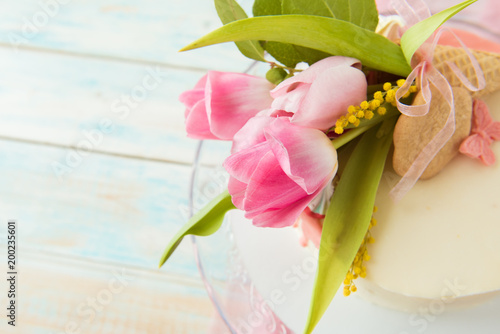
(108, 209)
(145, 30)
(59, 295)
(93, 105)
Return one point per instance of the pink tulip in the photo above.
(277, 168)
(222, 102)
(318, 96)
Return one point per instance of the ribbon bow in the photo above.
(426, 73)
(484, 131)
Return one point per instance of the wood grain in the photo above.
(145, 31)
(66, 100)
(91, 202)
(108, 208)
(65, 295)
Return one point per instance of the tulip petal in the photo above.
(270, 188)
(237, 190)
(275, 113)
(197, 126)
(311, 227)
(232, 99)
(329, 97)
(291, 101)
(242, 164)
(306, 155)
(283, 217)
(191, 97)
(310, 74)
(202, 82)
(251, 134)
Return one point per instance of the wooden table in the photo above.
(95, 163)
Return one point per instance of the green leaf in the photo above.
(416, 35)
(290, 55)
(362, 13)
(335, 37)
(348, 217)
(229, 11)
(205, 222)
(266, 7)
(287, 54)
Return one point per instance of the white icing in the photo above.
(446, 230)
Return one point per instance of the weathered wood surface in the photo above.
(97, 185)
(107, 207)
(62, 294)
(63, 100)
(143, 31)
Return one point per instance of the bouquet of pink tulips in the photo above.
(334, 80)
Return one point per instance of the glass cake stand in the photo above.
(229, 286)
(260, 281)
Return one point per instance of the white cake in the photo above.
(437, 249)
(445, 232)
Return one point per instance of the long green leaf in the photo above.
(229, 11)
(362, 13)
(205, 222)
(348, 216)
(329, 35)
(416, 35)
